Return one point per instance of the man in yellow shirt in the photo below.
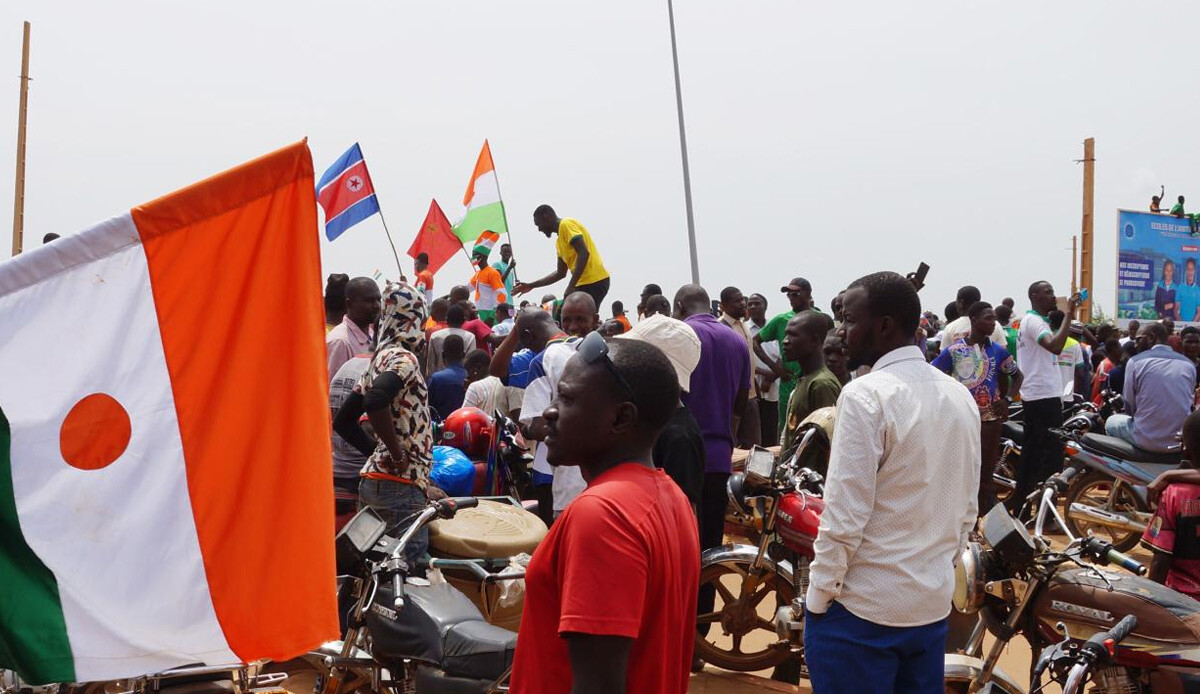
(576, 254)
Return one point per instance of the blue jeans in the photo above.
(1120, 426)
(849, 655)
(397, 504)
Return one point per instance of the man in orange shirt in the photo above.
(618, 309)
(610, 594)
(424, 283)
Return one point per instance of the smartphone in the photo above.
(922, 270)
(1083, 294)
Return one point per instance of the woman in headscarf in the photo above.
(395, 479)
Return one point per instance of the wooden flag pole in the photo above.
(19, 197)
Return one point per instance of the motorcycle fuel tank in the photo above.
(797, 520)
(1168, 623)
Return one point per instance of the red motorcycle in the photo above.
(748, 579)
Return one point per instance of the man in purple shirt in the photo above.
(720, 386)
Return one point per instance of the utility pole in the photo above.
(1074, 261)
(687, 178)
(1085, 252)
(19, 200)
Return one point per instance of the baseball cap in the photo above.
(798, 284)
(675, 338)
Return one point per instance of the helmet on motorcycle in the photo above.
(823, 419)
(469, 430)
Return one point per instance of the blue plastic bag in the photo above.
(453, 472)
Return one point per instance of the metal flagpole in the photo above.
(381, 217)
(19, 195)
(687, 178)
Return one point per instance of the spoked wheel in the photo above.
(1096, 490)
(741, 634)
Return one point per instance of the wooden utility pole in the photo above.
(1085, 252)
(19, 198)
(1074, 262)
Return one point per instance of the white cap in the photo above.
(675, 338)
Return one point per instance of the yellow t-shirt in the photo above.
(594, 271)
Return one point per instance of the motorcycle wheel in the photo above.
(742, 634)
(1096, 489)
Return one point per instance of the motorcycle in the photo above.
(1082, 417)
(402, 633)
(1112, 497)
(788, 499)
(1065, 603)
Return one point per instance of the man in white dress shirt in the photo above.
(899, 501)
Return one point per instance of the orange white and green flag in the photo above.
(164, 435)
(484, 208)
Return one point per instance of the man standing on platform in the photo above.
(487, 282)
(577, 256)
(507, 267)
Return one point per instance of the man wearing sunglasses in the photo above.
(610, 592)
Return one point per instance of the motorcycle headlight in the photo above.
(970, 576)
(735, 489)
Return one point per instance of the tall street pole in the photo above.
(687, 177)
(19, 201)
(1085, 249)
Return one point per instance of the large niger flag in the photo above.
(484, 209)
(164, 435)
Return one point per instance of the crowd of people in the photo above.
(634, 421)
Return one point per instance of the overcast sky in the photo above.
(827, 140)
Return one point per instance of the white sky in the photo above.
(827, 140)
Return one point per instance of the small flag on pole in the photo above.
(485, 243)
(378, 275)
(435, 238)
(485, 211)
(346, 194)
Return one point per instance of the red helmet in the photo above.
(468, 429)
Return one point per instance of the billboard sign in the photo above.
(1157, 276)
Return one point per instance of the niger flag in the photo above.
(164, 435)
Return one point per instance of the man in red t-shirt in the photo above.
(1174, 532)
(610, 602)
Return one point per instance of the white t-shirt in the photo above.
(568, 481)
(1043, 379)
(772, 350)
(1068, 360)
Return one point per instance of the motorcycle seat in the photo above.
(477, 649)
(1014, 431)
(1110, 445)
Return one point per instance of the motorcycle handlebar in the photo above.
(398, 590)
(1125, 562)
(1097, 646)
(446, 508)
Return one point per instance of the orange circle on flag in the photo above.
(95, 432)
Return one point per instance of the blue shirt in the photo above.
(447, 388)
(1188, 296)
(978, 368)
(723, 370)
(518, 368)
(1160, 386)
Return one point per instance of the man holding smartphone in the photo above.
(1038, 348)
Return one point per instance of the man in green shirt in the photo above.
(1004, 320)
(799, 294)
(804, 343)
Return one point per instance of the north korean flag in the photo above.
(346, 194)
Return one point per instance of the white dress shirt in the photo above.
(900, 494)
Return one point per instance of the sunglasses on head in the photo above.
(594, 349)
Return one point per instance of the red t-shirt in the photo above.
(1175, 530)
(623, 559)
(481, 331)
